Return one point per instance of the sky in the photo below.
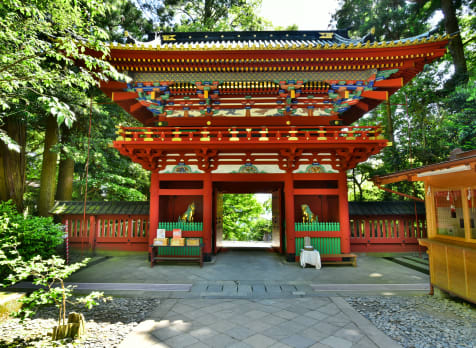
(307, 14)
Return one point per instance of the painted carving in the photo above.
(315, 168)
(182, 168)
(248, 168)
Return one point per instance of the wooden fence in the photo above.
(386, 233)
(109, 232)
(130, 232)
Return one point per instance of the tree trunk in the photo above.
(207, 12)
(48, 168)
(455, 46)
(12, 163)
(389, 127)
(64, 190)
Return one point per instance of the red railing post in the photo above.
(92, 233)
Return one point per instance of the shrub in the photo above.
(33, 235)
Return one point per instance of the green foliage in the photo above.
(111, 176)
(40, 45)
(391, 19)
(124, 16)
(428, 119)
(460, 118)
(243, 217)
(34, 235)
(204, 15)
(50, 275)
(27, 248)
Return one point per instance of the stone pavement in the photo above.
(285, 322)
(252, 299)
(246, 266)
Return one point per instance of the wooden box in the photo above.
(193, 241)
(160, 241)
(177, 242)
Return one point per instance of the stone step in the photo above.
(417, 266)
(423, 261)
(257, 290)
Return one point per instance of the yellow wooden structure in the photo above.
(450, 190)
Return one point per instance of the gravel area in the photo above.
(107, 324)
(421, 321)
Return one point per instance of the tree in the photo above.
(243, 217)
(428, 117)
(451, 24)
(388, 19)
(41, 43)
(203, 15)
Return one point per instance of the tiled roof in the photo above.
(385, 208)
(269, 40)
(100, 208)
(142, 208)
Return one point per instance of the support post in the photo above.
(154, 208)
(344, 214)
(92, 233)
(289, 217)
(207, 215)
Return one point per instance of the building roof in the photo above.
(221, 78)
(100, 208)
(142, 208)
(267, 40)
(463, 161)
(386, 208)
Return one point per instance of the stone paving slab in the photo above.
(114, 286)
(283, 322)
(371, 287)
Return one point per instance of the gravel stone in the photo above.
(107, 324)
(421, 321)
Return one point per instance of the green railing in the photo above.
(325, 245)
(184, 226)
(316, 226)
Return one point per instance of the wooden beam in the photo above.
(362, 106)
(376, 95)
(113, 85)
(120, 96)
(390, 83)
(135, 107)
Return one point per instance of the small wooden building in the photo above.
(451, 213)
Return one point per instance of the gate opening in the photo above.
(248, 215)
(247, 220)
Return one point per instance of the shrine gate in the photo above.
(247, 112)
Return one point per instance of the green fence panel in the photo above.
(325, 245)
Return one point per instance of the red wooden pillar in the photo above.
(344, 214)
(289, 216)
(154, 208)
(92, 233)
(207, 215)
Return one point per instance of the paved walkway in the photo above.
(298, 322)
(248, 267)
(252, 299)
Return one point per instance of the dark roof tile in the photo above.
(385, 208)
(142, 208)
